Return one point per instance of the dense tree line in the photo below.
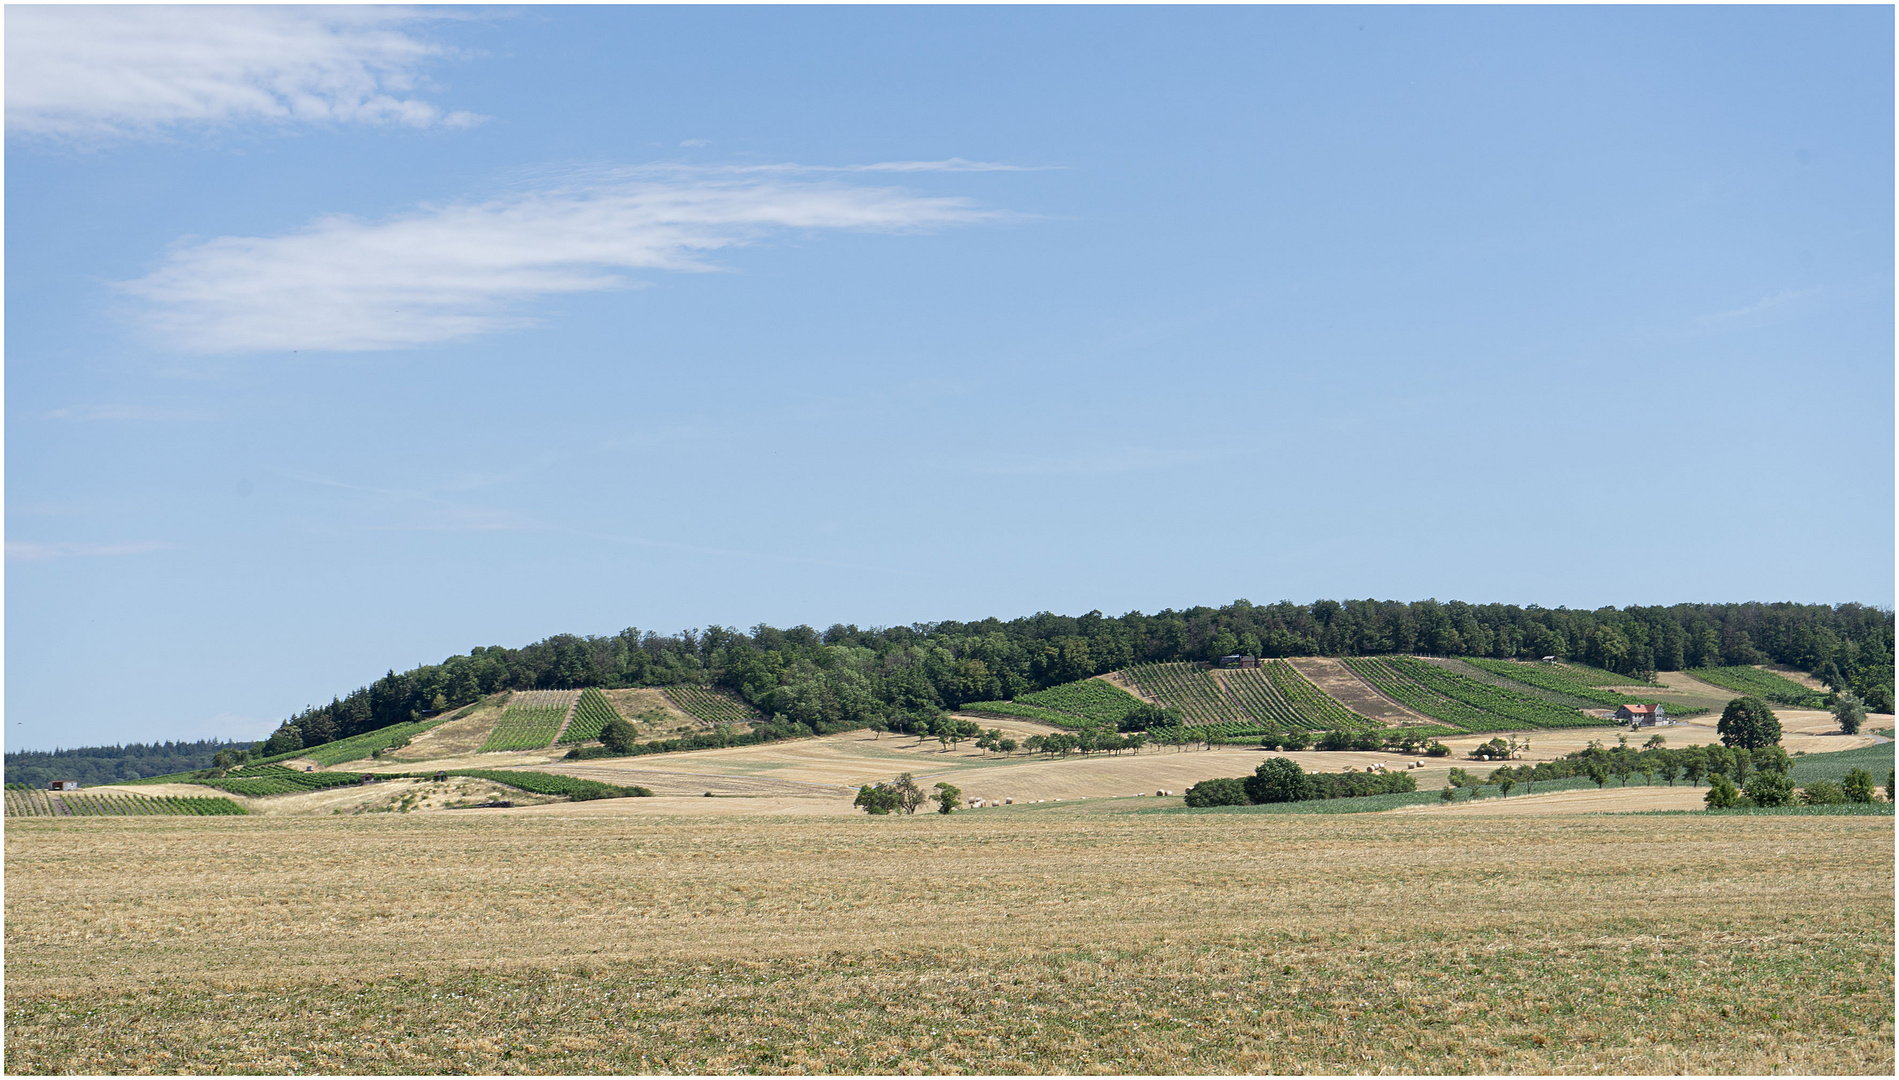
(1278, 780)
(904, 676)
(112, 764)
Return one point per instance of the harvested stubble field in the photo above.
(1123, 937)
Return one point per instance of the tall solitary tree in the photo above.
(1850, 711)
(1747, 723)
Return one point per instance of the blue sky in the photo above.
(341, 342)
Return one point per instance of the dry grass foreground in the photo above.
(1079, 938)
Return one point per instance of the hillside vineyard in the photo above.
(805, 680)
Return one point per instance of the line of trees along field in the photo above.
(903, 676)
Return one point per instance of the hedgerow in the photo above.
(541, 783)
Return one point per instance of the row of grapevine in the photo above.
(1317, 707)
(1257, 697)
(1459, 700)
(541, 783)
(261, 780)
(711, 706)
(1554, 679)
(357, 747)
(525, 729)
(1273, 696)
(1383, 677)
(1186, 687)
(1091, 699)
(541, 699)
(32, 803)
(590, 717)
(1761, 684)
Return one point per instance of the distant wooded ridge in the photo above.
(92, 765)
(846, 676)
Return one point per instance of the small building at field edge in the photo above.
(1239, 660)
(1644, 715)
(63, 785)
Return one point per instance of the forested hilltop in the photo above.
(903, 675)
(92, 765)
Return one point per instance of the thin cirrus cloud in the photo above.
(35, 551)
(453, 272)
(101, 72)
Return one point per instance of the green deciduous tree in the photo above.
(1222, 791)
(1768, 788)
(1747, 723)
(619, 736)
(1850, 711)
(1858, 786)
(946, 796)
(878, 799)
(1722, 794)
(1276, 780)
(1822, 793)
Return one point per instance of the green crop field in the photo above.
(712, 706)
(1876, 759)
(34, 802)
(590, 717)
(1025, 712)
(1761, 684)
(1095, 700)
(528, 728)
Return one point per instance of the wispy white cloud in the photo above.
(1786, 301)
(33, 551)
(113, 412)
(91, 72)
(452, 272)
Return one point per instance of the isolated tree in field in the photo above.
(619, 736)
(909, 795)
(1007, 746)
(1505, 785)
(1722, 794)
(1850, 711)
(1448, 794)
(878, 799)
(1858, 786)
(1598, 772)
(946, 796)
(1746, 723)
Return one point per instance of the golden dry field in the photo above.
(1125, 936)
